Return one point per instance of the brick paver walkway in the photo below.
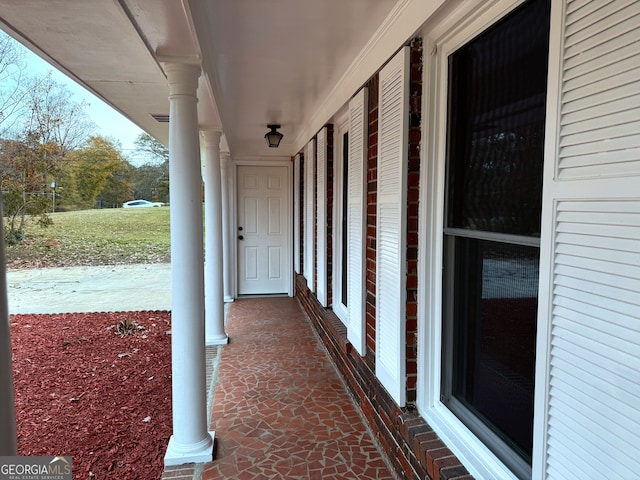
(280, 410)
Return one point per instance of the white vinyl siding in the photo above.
(309, 215)
(589, 327)
(321, 215)
(391, 225)
(356, 185)
(296, 214)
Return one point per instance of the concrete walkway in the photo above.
(113, 288)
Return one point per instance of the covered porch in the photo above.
(206, 79)
(384, 136)
(278, 404)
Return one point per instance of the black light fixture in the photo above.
(273, 137)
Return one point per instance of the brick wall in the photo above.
(413, 193)
(301, 212)
(329, 148)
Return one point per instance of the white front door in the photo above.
(263, 230)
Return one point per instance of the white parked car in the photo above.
(141, 204)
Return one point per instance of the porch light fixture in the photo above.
(273, 137)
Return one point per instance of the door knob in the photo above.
(240, 237)
(240, 228)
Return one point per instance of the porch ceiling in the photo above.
(272, 61)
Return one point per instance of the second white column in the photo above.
(214, 295)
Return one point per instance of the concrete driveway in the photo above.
(90, 289)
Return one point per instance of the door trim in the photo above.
(266, 163)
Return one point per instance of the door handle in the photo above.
(240, 237)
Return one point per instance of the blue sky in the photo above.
(111, 124)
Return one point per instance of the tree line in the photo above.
(51, 160)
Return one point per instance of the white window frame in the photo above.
(339, 183)
(453, 29)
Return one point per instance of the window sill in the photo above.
(473, 454)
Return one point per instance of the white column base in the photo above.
(201, 452)
(216, 340)
(228, 299)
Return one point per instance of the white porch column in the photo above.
(227, 233)
(8, 442)
(190, 442)
(213, 281)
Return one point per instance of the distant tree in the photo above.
(152, 183)
(53, 116)
(151, 149)
(119, 187)
(12, 68)
(25, 168)
(46, 124)
(93, 170)
(152, 178)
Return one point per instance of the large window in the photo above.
(497, 94)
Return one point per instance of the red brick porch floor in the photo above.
(280, 411)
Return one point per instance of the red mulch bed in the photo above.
(84, 390)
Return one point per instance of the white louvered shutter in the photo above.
(356, 209)
(321, 209)
(391, 225)
(590, 335)
(296, 214)
(309, 214)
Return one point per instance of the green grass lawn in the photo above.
(95, 237)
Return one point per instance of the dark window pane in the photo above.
(494, 335)
(345, 200)
(497, 112)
